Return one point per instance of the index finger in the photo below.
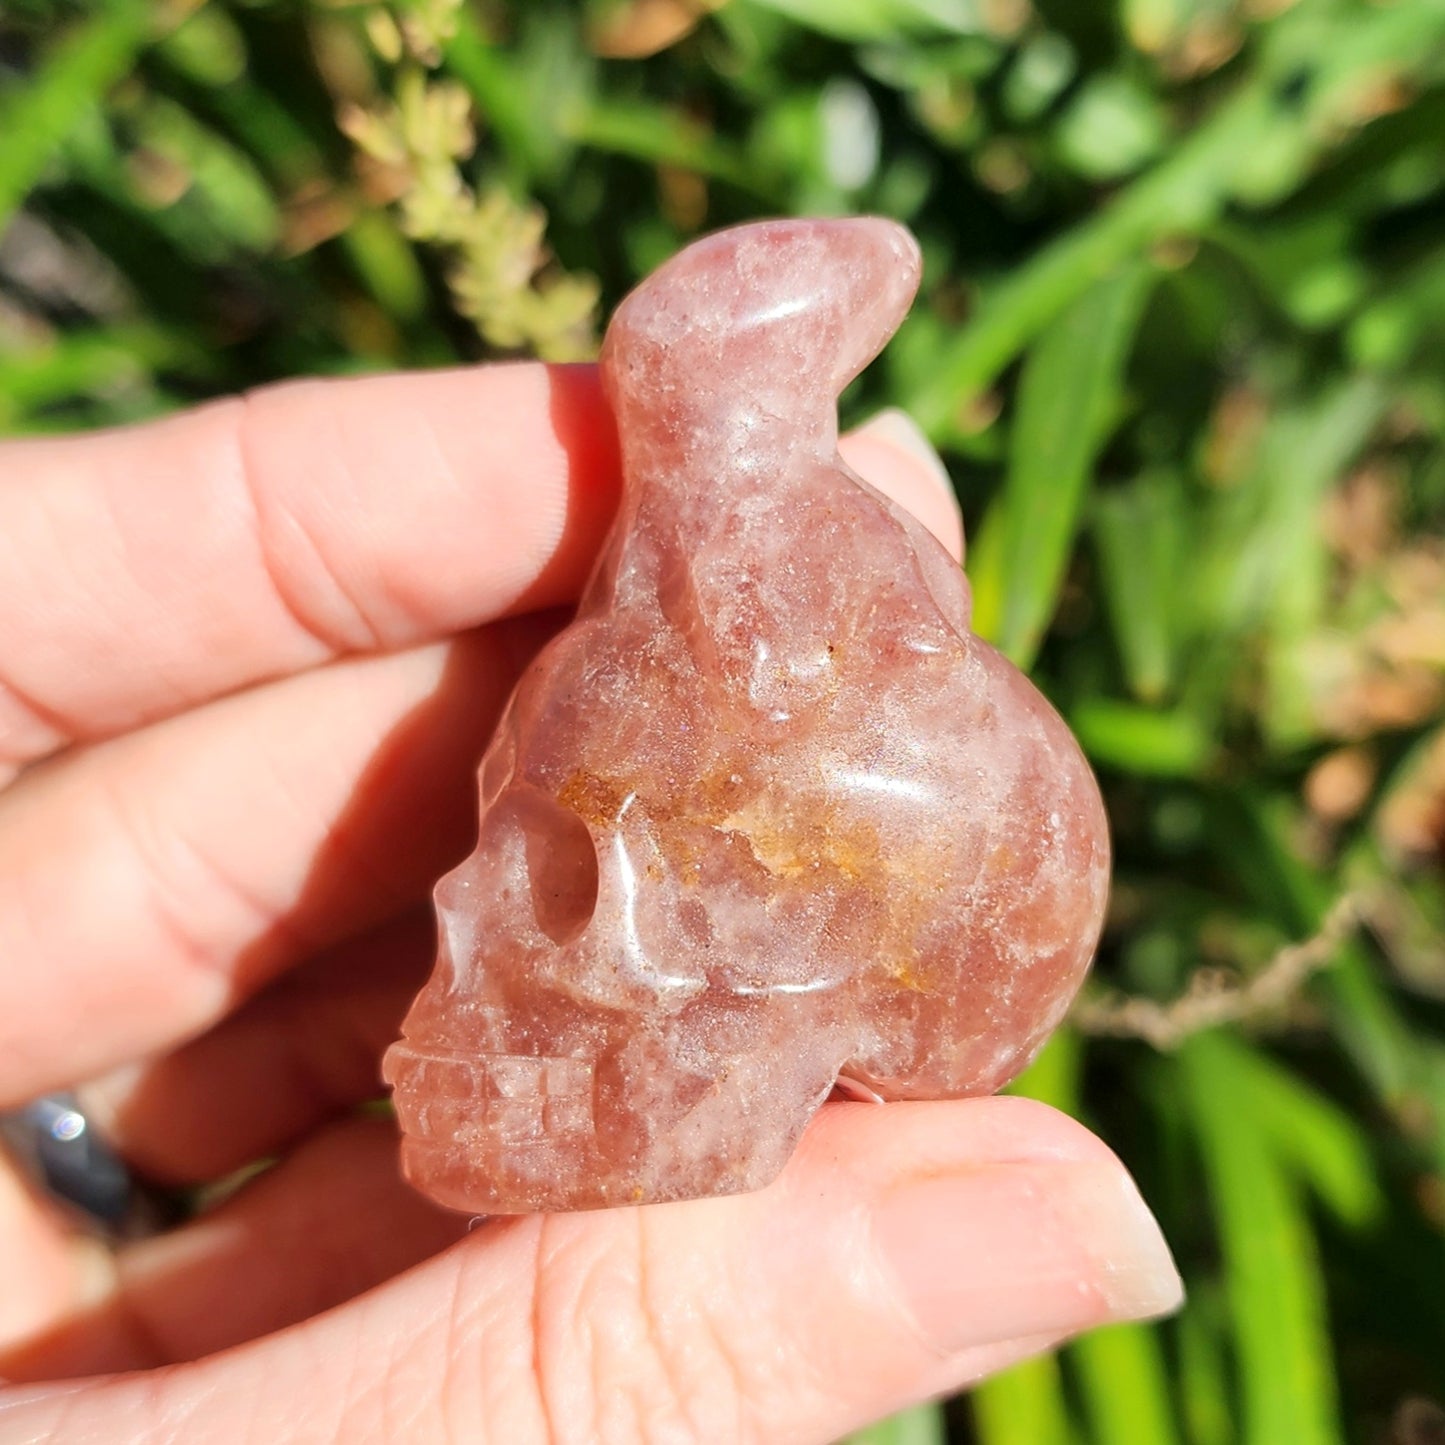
(145, 570)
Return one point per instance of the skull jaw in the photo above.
(516, 1134)
(553, 1178)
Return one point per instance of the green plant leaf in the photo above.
(651, 133)
(37, 114)
(89, 363)
(1024, 1406)
(1185, 190)
(1141, 536)
(923, 1425)
(1263, 568)
(880, 19)
(1069, 395)
(1317, 1140)
(1254, 145)
(1111, 128)
(1142, 741)
(1205, 1389)
(518, 90)
(1124, 1385)
(1276, 1294)
(1056, 1075)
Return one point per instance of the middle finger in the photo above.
(149, 884)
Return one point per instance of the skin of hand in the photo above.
(249, 657)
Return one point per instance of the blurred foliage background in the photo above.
(1182, 342)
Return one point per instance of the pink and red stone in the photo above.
(766, 817)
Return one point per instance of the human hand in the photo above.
(248, 659)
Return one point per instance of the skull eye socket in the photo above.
(561, 867)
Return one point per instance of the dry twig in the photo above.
(1213, 998)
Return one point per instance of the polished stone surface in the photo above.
(766, 817)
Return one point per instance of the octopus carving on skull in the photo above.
(766, 818)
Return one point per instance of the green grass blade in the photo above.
(1319, 1141)
(1263, 564)
(1125, 1386)
(923, 1425)
(90, 363)
(1055, 1076)
(37, 115)
(1068, 396)
(1316, 62)
(1432, 1086)
(1141, 537)
(1024, 1406)
(659, 136)
(1180, 194)
(1141, 740)
(528, 137)
(1121, 1370)
(387, 264)
(1206, 1398)
(227, 197)
(862, 20)
(1276, 1293)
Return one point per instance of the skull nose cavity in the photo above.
(561, 867)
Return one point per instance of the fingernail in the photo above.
(1025, 1249)
(898, 429)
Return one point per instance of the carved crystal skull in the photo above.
(766, 817)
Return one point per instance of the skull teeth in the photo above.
(515, 1098)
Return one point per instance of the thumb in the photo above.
(905, 1252)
